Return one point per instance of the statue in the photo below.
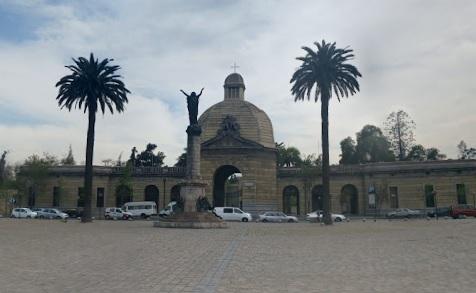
(192, 106)
(202, 204)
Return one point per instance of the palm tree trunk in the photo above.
(325, 157)
(88, 173)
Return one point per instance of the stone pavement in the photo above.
(132, 256)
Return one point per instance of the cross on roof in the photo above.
(234, 67)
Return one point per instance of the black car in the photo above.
(74, 213)
(440, 212)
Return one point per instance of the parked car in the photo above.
(232, 214)
(116, 213)
(277, 217)
(404, 213)
(440, 212)
(23, 213)
(462, 210)
(169, 209)
(143, 209)
(318, 215)
(47, 213)
(74, 213)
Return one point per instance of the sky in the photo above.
(418, 56)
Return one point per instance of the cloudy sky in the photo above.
(419, 56)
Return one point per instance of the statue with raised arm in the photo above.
(192, 106)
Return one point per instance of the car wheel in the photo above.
(290, 221)
(107, 217)
(143, 216)
(28, 217)
(265, 220)
(244, 220)
(338, 219)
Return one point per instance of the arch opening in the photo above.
(175, 193)
(317, 197)
(151, 193)
(123, 195)
(349, 199)
(227, 188)
(291, 200)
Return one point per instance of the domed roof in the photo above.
(254, 124)
(234, 79)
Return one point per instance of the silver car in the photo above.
(47, 213)
(313, 216)
(277, 217)
(404, 213)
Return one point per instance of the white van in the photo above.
(142, 209)
(232, 214)
(169, 209)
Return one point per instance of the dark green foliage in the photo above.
(91, 86)
(325, 72)
(3, 164)
(348, 152)
(288, 156)
(182, 159)
(433, 154)
(147, 158)
(373, 146)
(419, 153)
(34, 171)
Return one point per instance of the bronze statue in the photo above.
(192, 106)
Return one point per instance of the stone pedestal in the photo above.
(191, 190)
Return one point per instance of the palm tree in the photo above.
(93, 85)
(321, 73)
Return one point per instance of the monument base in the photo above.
(191, 220)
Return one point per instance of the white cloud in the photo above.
(415, 55)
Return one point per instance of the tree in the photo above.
(182, 159)
(322, 73)
(399, 128)
(311, 161)
(3, 164)
(288, 156)
(373, 146)
(33, 172)
(147, 158)
(464, 152)
(433, 154)
(91, 86)
(69, 159)
(417, 153)
(348, 151)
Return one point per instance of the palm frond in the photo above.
(93, 86)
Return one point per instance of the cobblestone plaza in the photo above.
(132, 256)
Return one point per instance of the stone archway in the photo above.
(291, 200)
(317, 197)
(123, 195)
(349, 199)
(175, 193)
(151, 193)
(220, 196)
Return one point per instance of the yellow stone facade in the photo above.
(237, 137)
